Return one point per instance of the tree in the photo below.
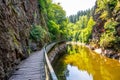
(75, 18)
(82, 23)
(87, 32)
(54, 30)
(56, 17)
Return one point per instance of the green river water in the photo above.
(84, 64)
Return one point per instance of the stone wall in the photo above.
(56, 52)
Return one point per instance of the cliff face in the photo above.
(99, 26)
(106, 32)
(106, 11)
(16, 18)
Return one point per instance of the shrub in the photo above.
(37, 33)
(108, 38)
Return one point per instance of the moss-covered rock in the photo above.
(16, 19)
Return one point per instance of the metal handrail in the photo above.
(51, 71)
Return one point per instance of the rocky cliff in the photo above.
(16, 19)
(104, 12)
(106, 32)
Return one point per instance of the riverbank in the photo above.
(105, 52)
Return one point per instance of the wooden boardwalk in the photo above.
(31, 69)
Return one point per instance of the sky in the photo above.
(73, 6)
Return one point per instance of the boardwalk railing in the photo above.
(50, 74)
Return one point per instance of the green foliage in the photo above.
(117, 8)
(37, 33)
(54, 30)
(105, 7)
(69, 31)
(42, 6)
(86, 33)
(57, 21)
(108, 38)
(82, 23)
(106, 11)
(104, 15)
(78, 27)
(56, 13)
(81, 30)
(58, 25)
(102, 5)
(75, 18)
(110, 25)
(55, 17)
(112, 4)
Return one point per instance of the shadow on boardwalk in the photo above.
(31, 69)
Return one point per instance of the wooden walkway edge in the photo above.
(31, 69)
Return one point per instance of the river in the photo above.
(81, 63)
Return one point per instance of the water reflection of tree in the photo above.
(95, 64)
(61, 69)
